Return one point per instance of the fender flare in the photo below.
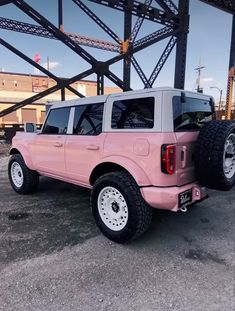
(25, 154)
(130, 166)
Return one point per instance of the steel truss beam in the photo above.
(161, 61)
(140, 71)
(35, 30)
(140, 9)
(225, 5)
(67, 41)
(97, 20)
(42, 69)
(148, 83)
(168, 17)
(51, 90)
(139, 22)
(168, 6)
(181, 45)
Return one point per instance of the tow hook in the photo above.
(184, 209)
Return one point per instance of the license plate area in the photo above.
(185, 198)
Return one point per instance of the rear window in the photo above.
(192, 114)
(88, 119)
(136, 113)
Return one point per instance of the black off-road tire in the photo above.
(139, 212)
(30, 178)
(210, 153)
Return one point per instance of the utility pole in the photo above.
(199, 69)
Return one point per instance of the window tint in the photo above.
(88, 119)
(134, 113)
(192, 114)
(57, 121)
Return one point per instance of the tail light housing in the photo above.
(168, 159)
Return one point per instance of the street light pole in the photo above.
(221, 92)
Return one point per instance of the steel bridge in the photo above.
(175, 27)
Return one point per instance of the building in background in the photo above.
(15, 87)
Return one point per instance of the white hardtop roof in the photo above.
(103, 98)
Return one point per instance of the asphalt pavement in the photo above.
(52, 256)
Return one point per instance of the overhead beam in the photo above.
(161, 61)
(67, 41)
(168, 6)
(35, 30)
(27, 9)
(97, 20)
(60, 15)
(167, 16)
(139, 45)
(154, 37)
(140, 72)
(139, 22)
(4, 2)
(51, 90)
(36, 65)
(127, 36)
(181, 45)
(225, 5)
(139, 9)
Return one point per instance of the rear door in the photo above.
(84, 147)
(189, 115)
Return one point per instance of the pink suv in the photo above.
(154, 148)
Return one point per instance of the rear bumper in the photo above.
(168, 197)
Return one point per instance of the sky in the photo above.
(208, 43)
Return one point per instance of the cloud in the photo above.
(52, 65)
(208, 79)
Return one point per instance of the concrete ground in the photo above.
(52, 256)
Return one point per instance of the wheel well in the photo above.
(14, 151)
(104, 168)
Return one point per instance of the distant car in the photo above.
(154, 148)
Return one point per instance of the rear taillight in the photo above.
(168, 159)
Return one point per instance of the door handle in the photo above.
(184, 156)
(92, 147)
(57, 144)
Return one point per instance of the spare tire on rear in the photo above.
(215, 155)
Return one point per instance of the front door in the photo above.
(49, 146)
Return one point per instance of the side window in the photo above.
(137, 113)
(88, 119)
(57, 121)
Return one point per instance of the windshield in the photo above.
(191, 114)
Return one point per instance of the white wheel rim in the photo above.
(112, 208)
(17, 174)
(229, 156)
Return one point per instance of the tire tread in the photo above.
(31, 178)
(144, 211)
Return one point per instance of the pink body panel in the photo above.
(21, 142)
(82, 154)
(144, 150)
(184, 160)
(167, 198)
(72, 158)
(47, 153)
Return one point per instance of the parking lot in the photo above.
(52, 256)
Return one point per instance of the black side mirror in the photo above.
(30, 127)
